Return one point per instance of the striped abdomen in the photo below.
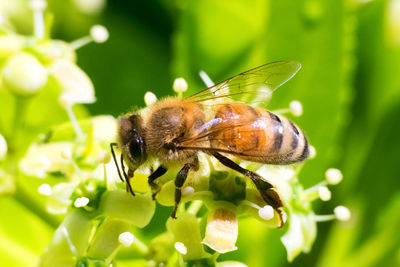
(258, 135)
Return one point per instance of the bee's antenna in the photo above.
(115, 160)
(128, 183)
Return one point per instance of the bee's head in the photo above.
(131, 140)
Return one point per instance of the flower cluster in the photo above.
(79, 181)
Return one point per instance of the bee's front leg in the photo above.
(179, 181)
(155, 188)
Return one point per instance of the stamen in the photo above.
(342, 213)
(126, 239)
(206, 79)
(296, 108)
(180, 86)
(98, 34)
(333, 176)
(38, 21)
(324, 193)
(67, 104)
(313, 152)
(150, 98)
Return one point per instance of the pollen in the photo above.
(126, 239)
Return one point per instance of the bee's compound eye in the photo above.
(135, 148)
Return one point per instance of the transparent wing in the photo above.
(254, 86)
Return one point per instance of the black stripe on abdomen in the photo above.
(278, 136)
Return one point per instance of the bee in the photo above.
(223, 121)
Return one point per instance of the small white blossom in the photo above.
(266, 212)
(296, 108)
(342, 213)
(333, 176)
(180, 85)
(99, 33)
(3, 147)
(45, 189)
(150, 98)
(181, 248)
(81, 202)
(324, 193)
(126, 239)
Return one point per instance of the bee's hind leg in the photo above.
(155, 188)
(180, 180)
(267, 190)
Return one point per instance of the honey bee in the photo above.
(222, 119)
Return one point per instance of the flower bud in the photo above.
(24, 75)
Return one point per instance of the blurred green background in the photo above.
(349, 86)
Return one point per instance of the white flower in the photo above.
(342, 213)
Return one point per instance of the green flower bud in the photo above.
(24, 75)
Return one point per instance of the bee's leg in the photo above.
(267, 190)
(127, 176)
(155, 188)
(179, 181)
